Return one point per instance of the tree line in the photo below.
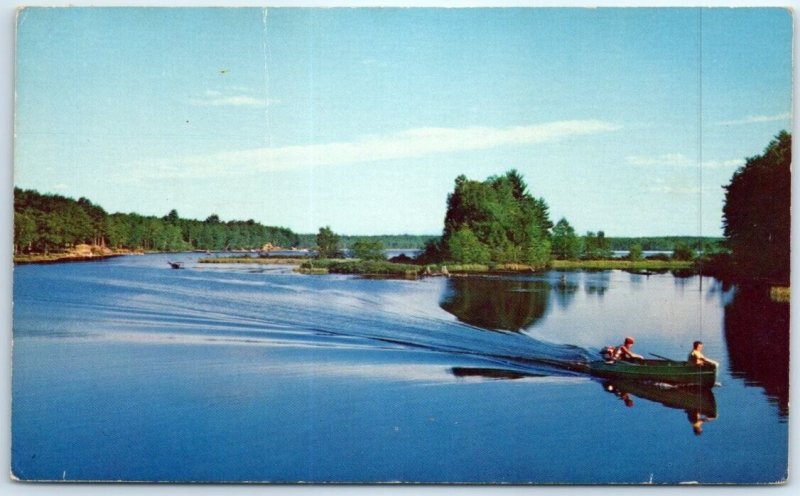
(388, 241)
(496, 221)
(46, 222)
(757, 216)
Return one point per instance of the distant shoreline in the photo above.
(63, 258)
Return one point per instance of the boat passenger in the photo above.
(623, 351)
(696, 357)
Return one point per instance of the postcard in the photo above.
(402, 245)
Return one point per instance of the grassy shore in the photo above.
(385, 268)
(378, 268)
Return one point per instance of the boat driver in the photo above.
(696, 357)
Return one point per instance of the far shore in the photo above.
(72, 256)
(306, 265)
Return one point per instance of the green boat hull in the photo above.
(664, 371)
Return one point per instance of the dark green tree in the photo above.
(596, 246)
(503, 218)
(757, 213)
(682, 251)
(24, 231)
(328, 245)
(172, 217)
(635, 253)
(368, 249)
(566, 244)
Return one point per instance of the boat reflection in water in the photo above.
(698, 403)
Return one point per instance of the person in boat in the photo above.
(696, 356)
(623, 351)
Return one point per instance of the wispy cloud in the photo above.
(680, 160)
(214, 98)
(754, 119)
(412, 143)
(674, 189)
(663, 160)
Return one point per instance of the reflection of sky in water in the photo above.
(199, 372)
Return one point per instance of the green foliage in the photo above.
(465, 248)
(45, 223)
(389, 241)
(328, 245)
(367, 249)
(432, 253)
(361, 267)
(496, 220)
(596, 246)
(666, 243)
(566, 244)
(635, 253)
(24, 231)
(757, 213)
(682, 252)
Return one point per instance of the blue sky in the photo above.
(624, 120)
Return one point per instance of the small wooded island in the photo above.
(495, 225)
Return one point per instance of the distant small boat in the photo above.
(664, 371)
(175, 265)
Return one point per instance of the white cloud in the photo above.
(723, 164)
(674, 189)
(214, 98)
(680, 160)
(664, 160)
(412, 143)
(754, 119)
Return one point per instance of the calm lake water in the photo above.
(128, 370)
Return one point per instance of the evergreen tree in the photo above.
(757, 213)
(328, 244)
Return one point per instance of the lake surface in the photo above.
(128, 370)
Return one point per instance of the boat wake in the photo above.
(289, 310)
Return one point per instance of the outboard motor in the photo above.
(608, 353)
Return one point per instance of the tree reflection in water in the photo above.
(492, 303)
(757, 334)
(565, 290)
(598, 283)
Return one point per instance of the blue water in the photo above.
(126, 369)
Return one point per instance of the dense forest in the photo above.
(757, 214)
(45, 223)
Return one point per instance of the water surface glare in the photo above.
(129, 370)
